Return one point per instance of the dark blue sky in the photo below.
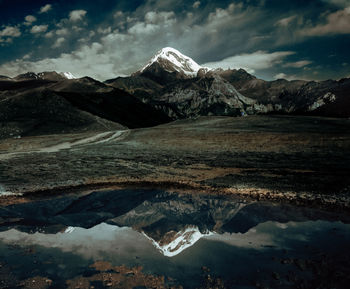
(104, 39)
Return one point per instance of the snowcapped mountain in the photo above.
(49, 103)
(27, 76)
(46, 75)
(172, 60)
(68, 75)
(180, 87)
(173, 243)
(174, 223)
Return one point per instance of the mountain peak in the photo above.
(173, 243)
(68, 75)
(46, 75)
(27, 76)
(173, 60)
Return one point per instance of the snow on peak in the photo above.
(175, 61)
(69, 230)
(181, 241)
(68, 75)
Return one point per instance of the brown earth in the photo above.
(304, 160)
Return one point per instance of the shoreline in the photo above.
(325, 202)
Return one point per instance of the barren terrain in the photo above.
(304, 160)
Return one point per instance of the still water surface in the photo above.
(180, 236)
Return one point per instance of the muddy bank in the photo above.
(332, 202)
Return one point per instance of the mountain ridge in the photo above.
(325, 98)
(37, 106)
(44, 75)
(173, 60)
(170, 86)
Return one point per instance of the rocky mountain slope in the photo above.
(46, 75)
(176, 84)
(172, 60)
(41, 111)
(325, 98)
(49, 102)
(182, 88)
(170, 86)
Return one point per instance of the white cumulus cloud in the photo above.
(58, 42)
(297, 64)
(289, 77)
(11, 31)
(77, 15)
(196, 4)
(45, 8)
(159, 17)
(126, 40)
(38, 28)
(336, 23)
(285, 21)
(29, 19)
(280, 76)
(251, 62)
(62, 31)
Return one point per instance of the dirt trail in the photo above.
(99, 138)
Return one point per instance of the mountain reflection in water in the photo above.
(147, 227)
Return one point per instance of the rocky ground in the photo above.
(304, 160)
(102, 275)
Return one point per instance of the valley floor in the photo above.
(303, 160)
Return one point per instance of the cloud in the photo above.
(49, 34)
(236, 35)
(116, 53)
(196, 4)
(298, 64)
(230, 30)
(77, 15)
(284, 22)
(219, 16)
(224, 14)
(29, 19)
(11, 31)
(106, 30)
(88, 60)
(7, 40)
(289, 77)
(159, 17)
(45, 8)
(251, 62)
(122, 51)
(153, 22)
(336, 23)
(58, 42)
(339, 3)
(62, 31)
(89, 243)
(118, 14)
(280, 76)
(142, 28)
(38, 29)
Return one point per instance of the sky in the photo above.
(291, 39)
